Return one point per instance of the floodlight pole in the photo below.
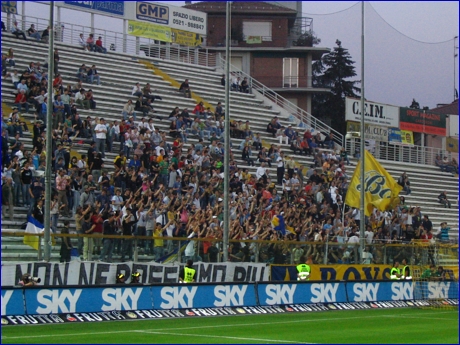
(227, 134)
(362, 172)
(455, 68)
(49, 147)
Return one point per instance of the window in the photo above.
(259, 29)
(290, 72)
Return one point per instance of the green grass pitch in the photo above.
(376, 326)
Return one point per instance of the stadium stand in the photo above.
(120, 72)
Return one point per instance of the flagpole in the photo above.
(47, 225)
(227, 135)
(362, 180)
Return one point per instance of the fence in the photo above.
(123, 43)
(401, 153)
(304, 119)
(280, 252)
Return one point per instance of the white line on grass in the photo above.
(227, 337)
(204, 327)
(421, 317)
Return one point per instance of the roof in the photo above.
(240, 7)
(449, 109)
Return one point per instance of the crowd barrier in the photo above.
(101, 273)
(348, 272)
(45, 300)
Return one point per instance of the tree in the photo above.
(307, 39)
(334, 70)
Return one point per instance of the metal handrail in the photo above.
(304, 119)
(402, 153)
(117, 41)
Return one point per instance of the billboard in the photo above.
(453, 126)
(163, 33)
(422, 121)
(398, 136)
(276, 294)
(10, 7)
(163, 14)
(371, 131)
(374, 113)
(88, 299)
(204, 296)
(156, 32)
(110, 8)
(13, 302)
(452, 144)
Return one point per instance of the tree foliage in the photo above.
(307, 39)
(334, 70)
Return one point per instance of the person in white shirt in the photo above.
(137, 91)
(367, 257)
(82, 42)
(117, 200)
(261, 172)
(295, 183)
(287, 184)
(369, 235)
(101, 134)
(190, 250)
(150, 126)
(80, 97)
(128, 110)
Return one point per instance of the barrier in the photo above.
(96, 273)
(167, 298)
(344, 272)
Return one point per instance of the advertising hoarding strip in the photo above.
(132, 297)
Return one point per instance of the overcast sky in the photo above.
(398, 67)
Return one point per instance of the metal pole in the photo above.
(227, 134)
(362, 180)
(49, 121)
(455, 68)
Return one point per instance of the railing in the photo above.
(383, 252)
(305, 120)
(292, 82)
(401, 153)
(122, 43)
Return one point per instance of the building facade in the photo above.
(269, 42)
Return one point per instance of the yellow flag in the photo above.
(381, 188)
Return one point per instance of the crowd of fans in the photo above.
(159, 187)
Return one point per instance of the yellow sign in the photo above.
(254, 39)
(452, 144)
(407, 137)
(348, 272)
(10, 7)
(185, 38)
(381, 189)
(163, 33)
(147, 30)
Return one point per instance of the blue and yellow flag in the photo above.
(381, 189)
(34, 227)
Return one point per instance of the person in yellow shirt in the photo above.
(158, 243)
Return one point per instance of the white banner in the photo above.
(453, 126)
(374, 113)
(96, 273)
